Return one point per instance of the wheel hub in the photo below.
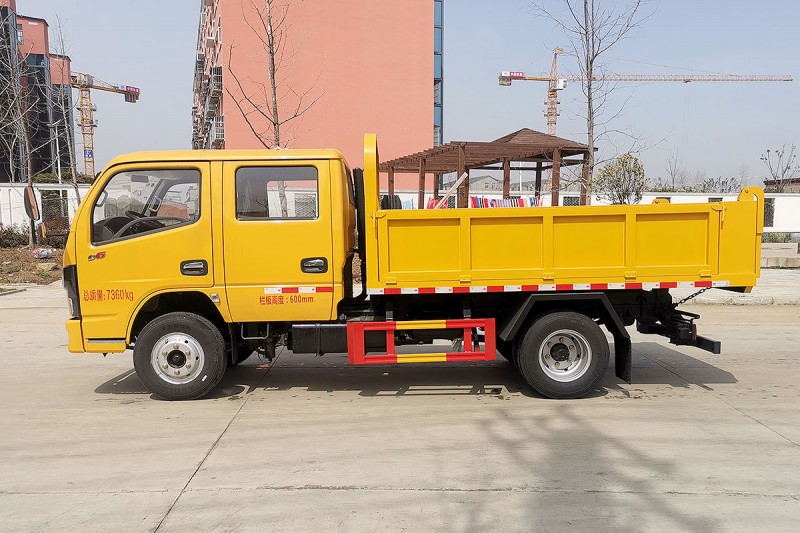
(559, 352)
(565, 355)
(177, 358)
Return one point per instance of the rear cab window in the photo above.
(277, 193)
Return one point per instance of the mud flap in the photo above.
(622, 356)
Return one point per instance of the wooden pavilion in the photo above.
(523, 146)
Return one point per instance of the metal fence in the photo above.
(55, 210)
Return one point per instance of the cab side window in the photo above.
(142, 202)
(277, 193)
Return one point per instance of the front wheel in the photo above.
(563, 355)
(180, 356)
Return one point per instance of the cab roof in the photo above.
(225, 155)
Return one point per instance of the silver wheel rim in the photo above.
(565, 355)
(177, 358)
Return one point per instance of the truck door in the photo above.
(148, 230)
(277, 240)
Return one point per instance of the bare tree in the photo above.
(676, 172)
(719, 185)
(17, 102)
(62, 101)
(269, 101)
(23, 92)
(13, 104)
(593, 27)
(782, 166)
(744, 173)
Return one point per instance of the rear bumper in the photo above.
(75, 332)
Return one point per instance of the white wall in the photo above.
(12, 206)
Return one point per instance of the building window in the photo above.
(570, 201)
(438, 71)
(20, 37)
(769, 212)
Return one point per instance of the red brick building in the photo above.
(366, 66)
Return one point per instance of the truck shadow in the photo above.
(653, 364)
(128, 383)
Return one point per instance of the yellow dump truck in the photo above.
(198, 259)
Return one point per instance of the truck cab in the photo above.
(252, 235)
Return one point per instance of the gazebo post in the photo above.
(538, 190)
(507, 179)
(421, 189)
(585, 180)
(556, 177)
(436, 178)
(391, 181)
(463, 190)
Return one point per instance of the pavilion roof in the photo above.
(522, 145)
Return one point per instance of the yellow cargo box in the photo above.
(660, 245)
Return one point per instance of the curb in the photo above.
(14, 291)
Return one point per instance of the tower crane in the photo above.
(84, 83)
(558, 82)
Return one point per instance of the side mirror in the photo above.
(31, 205)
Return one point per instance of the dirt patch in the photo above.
(17, 266)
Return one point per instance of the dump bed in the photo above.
(659, 245)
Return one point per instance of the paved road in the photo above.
(698, 442)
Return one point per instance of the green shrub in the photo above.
(776, 237)
(66, 177)
(13, 236)
(45, 177)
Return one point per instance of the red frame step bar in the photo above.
(356, 344)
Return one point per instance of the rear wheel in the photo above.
(563, 355)
(180, 356)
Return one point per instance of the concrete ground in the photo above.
(697, 443)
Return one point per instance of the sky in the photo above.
(717, 129)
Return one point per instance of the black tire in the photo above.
(391, 202)
(197, 331)
(581, 341)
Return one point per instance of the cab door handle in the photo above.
(314, 265)
(195, 267)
